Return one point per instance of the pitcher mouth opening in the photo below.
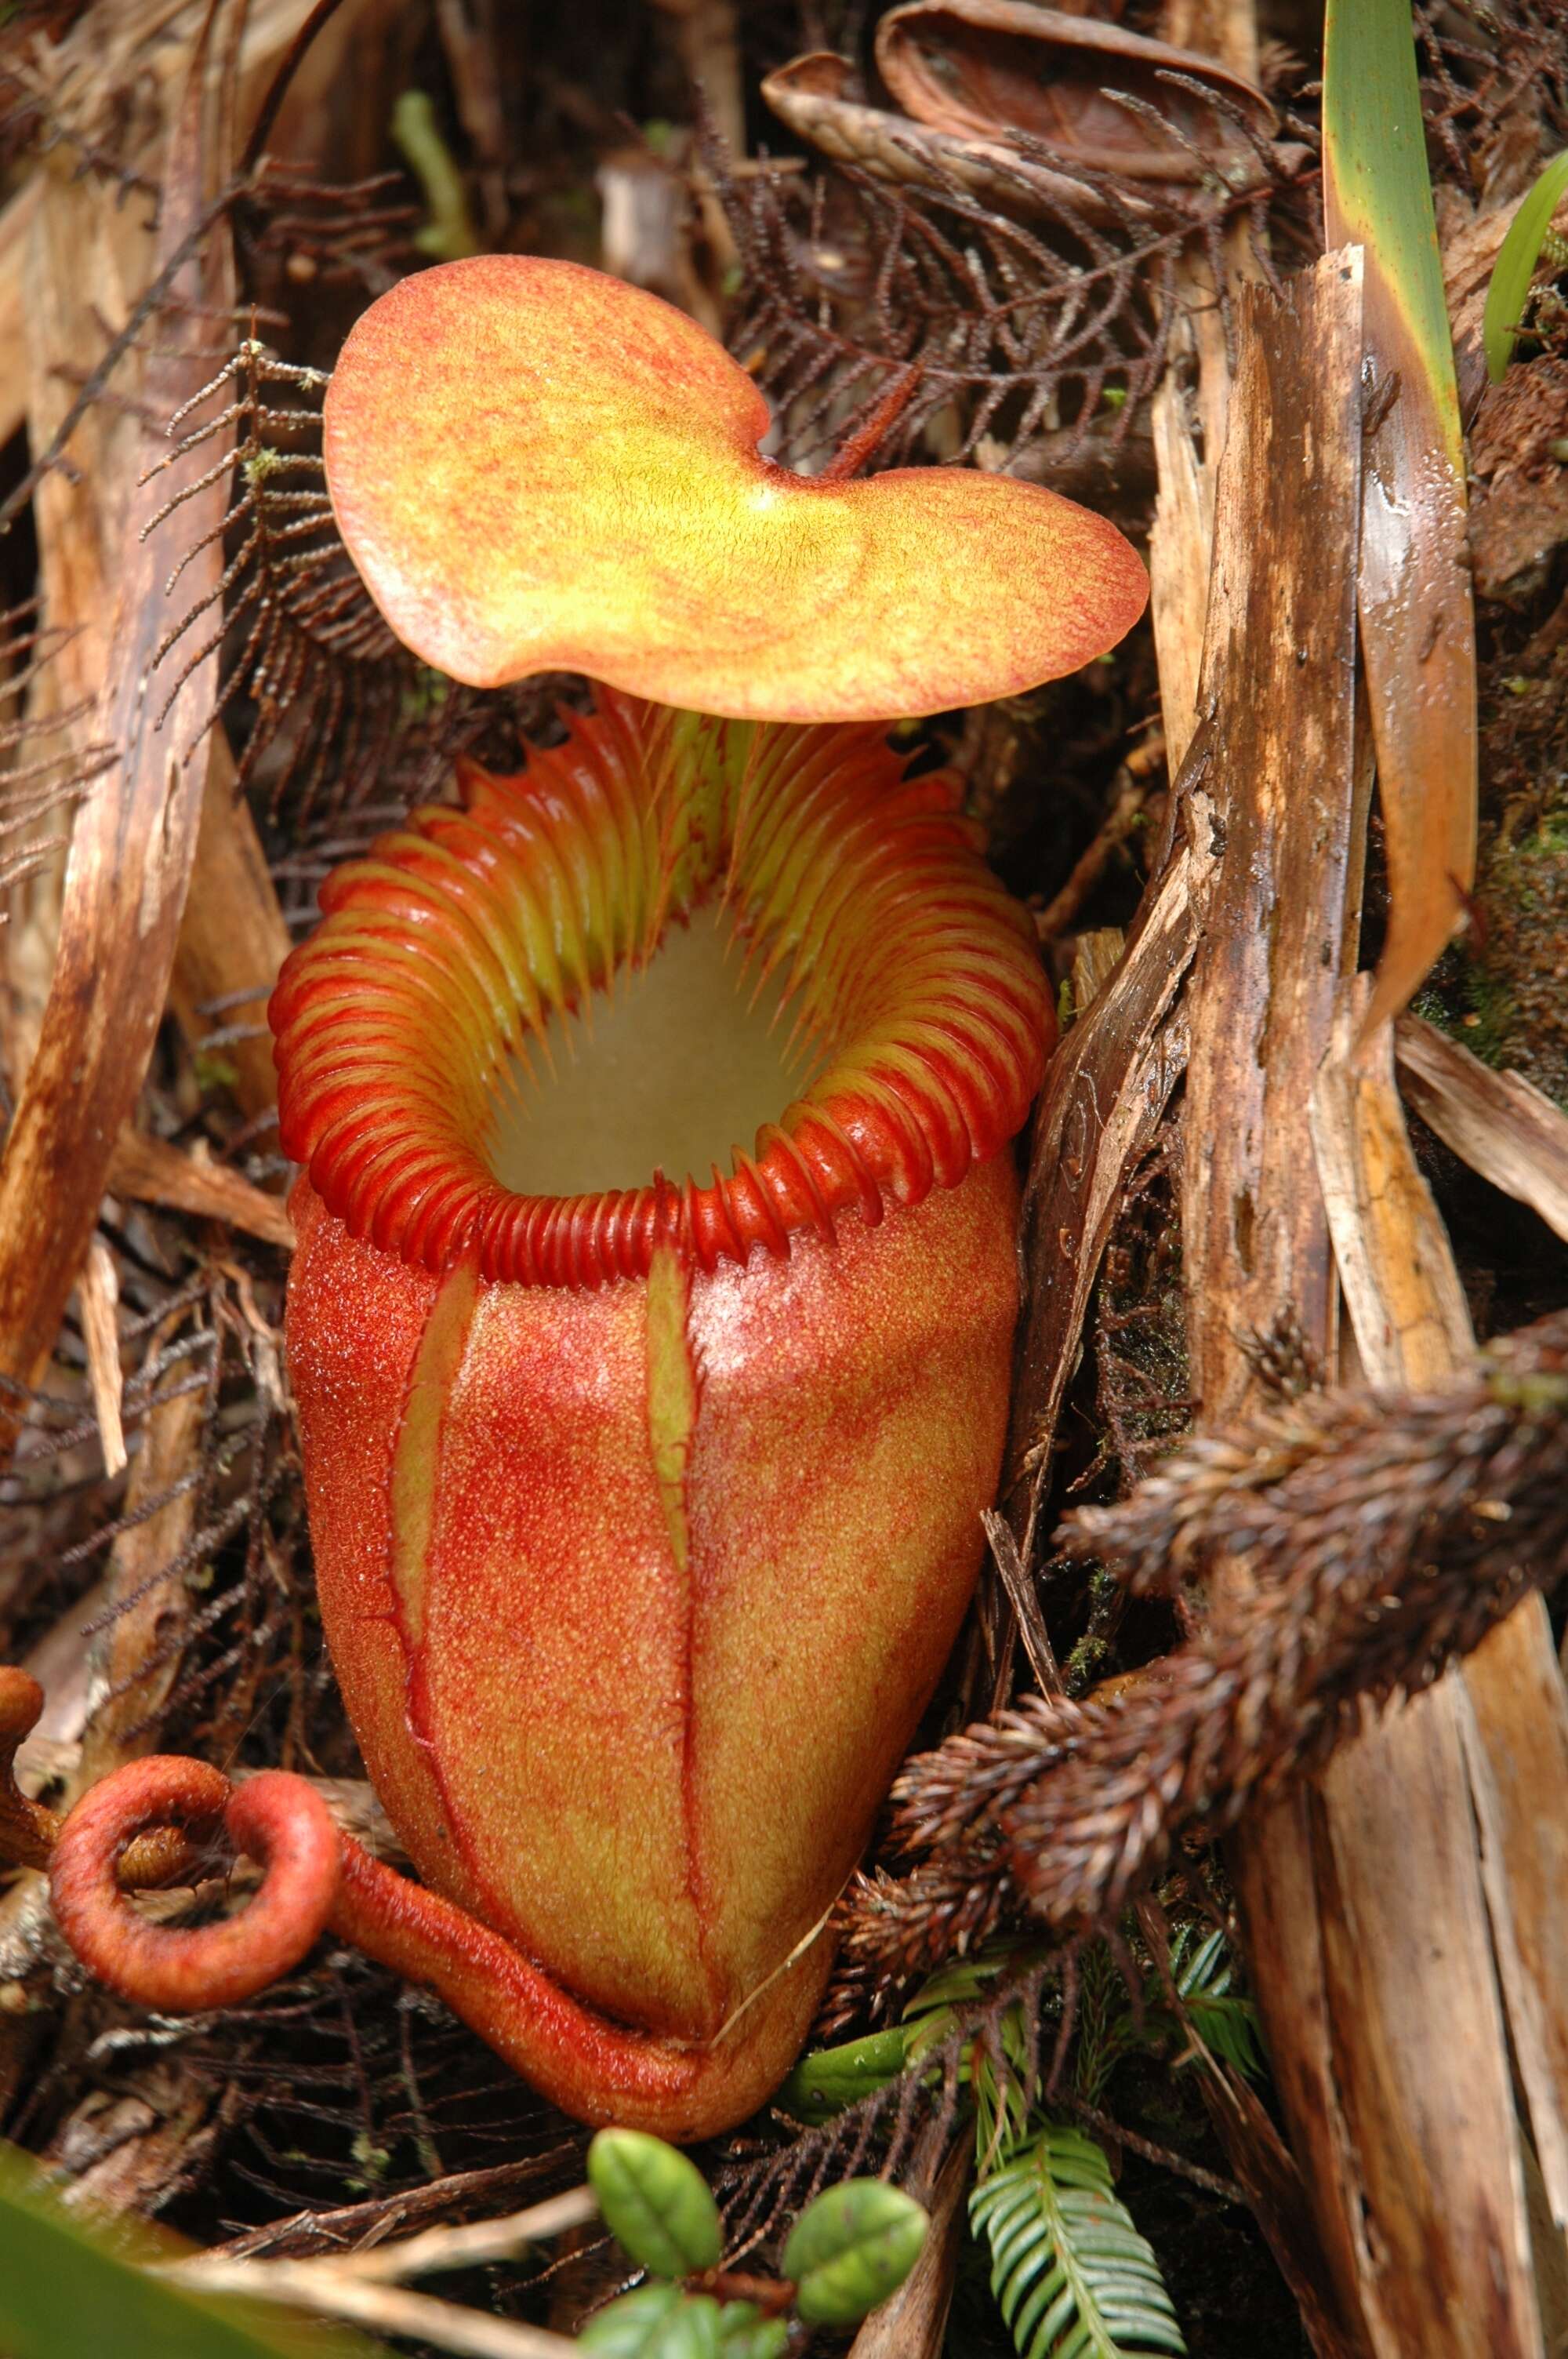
(665, 930)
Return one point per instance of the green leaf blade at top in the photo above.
(1378, 187)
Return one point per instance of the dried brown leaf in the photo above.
(1090, 90)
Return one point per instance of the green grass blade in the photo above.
(1515, 267)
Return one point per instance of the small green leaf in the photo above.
(1515, 267)
(745, 2334)
(656, 2201)
(822, 2084)
(658, 2321)
(852, 2248)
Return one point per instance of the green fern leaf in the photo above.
(1227, 2023)
(1074, 2277)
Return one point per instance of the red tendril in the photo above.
(274, 1818)
(315, 1878)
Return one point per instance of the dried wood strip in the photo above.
(132, 848)
(323, 2291)
(1509, 1705)
(82, 259)
(1181, 544)
(1499, 1124)
(154, 1172)
(1425, 2234)
(86, 259)
(1277, 2194)
(1256, 1249)
(1180, 564)
(135, 1657)
(1105, 1092)
(98, 1294)
(1514, 1715)
(343, 2230)
(1402, 1291)
(1278, 676)
(1420, 2051)
(1179, 554)
(1024, 1599)
(15, 235)
(1095, 956)
(232, 937)
(1108, 1087)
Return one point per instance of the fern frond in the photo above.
(327, 695)
(1228, 2025)
(997, 2061)
(1106, 2027)
(1074, 2277)
(1226, 2021)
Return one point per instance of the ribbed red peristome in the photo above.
(450, 943)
